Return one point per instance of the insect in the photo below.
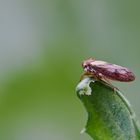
(106, 71)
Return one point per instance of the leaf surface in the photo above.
(110, 116)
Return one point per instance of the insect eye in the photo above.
(85, 66)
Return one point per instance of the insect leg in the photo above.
(109, 83)
(89, 74)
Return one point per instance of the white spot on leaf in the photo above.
(83, 131)
(83, 87)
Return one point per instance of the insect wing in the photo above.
(113, 72)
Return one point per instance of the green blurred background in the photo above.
(42, 45)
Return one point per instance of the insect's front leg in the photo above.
(85, 74)
(94, 75)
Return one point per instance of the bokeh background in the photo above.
(42, 45)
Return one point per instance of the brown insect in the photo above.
(106, 71)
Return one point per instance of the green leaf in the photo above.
(110, 116)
